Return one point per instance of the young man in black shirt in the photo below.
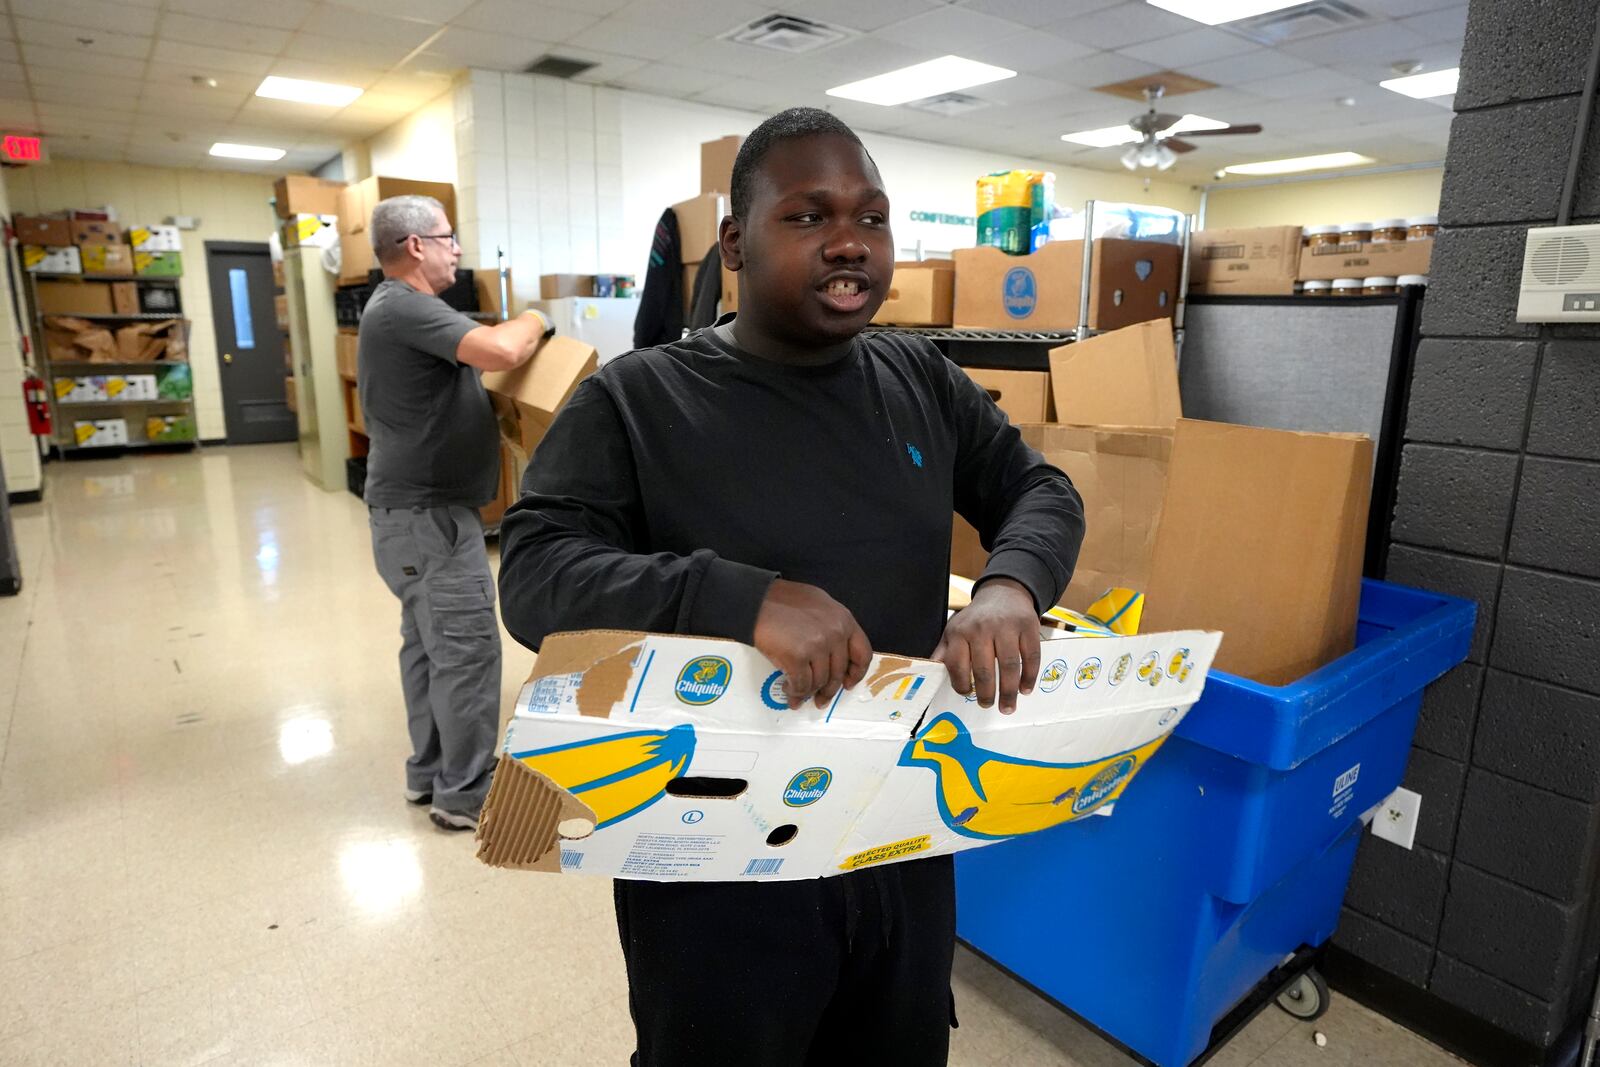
(786, 480)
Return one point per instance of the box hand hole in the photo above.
(707, 788)
(782, 835)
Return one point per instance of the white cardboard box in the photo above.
(101, 433)
(663, 758)
(155, 239)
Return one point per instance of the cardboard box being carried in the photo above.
(42, 229)
(73, 298)
(699, 220)
(309, 231)
(301, 194)
(716, 163)
(107, 259)
(666, 758)
(922, 293)
(1260, 261)
(1131, 281)
(527, 399)
(96, 232)
(1262, 535)
(1388, 259)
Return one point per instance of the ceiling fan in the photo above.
(1157, 145)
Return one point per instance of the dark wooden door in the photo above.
(255, 401)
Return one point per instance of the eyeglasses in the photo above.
(430, 237)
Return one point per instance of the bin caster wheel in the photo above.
(1307, 998)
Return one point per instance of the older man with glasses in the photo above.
(434, 461)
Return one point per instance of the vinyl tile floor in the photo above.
(204, 854)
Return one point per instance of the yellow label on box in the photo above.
(138, 236)
(64, 387)
(83, 431)
(115, 386)
(32, 256)
(307, 227)
(909, 846)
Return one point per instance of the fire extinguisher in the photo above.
(37, 397)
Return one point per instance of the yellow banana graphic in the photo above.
(990, 795)
(619, 775)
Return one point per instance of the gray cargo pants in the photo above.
(434, 560)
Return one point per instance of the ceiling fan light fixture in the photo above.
(1110, 136)
(1165, 157)
(1216, 12)
(1149, 154)
(1130, 158)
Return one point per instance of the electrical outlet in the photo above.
(1396, 818)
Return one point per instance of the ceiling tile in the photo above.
(1403, 8)
(594, 7)
(1027, 89)
(515, 18)
(710, 19)
(1192, 46)
(607, 66)
(1104, 68)
(1375, 68)
(178, 54)
(338, 50)
(725, 59)
(948, 29)
(865, 17)
(92, 14)
(420, 88)
(1229, 105)
(474, 48)
(1121, 26)
(279, 14)
(192, 29)
(861, 57)
(1446, 26)
(60, 35)
(61, 63)
(430, 11)
(1317, 82)
(669, 80)
(363, 26)
(747, 94)
(1387, 39)
(1262, 63)
(627, 38)
(1033, 52)
(107, 94)
(1035, 12)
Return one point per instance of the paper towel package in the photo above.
(643, 756)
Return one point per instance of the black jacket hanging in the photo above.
(707, 295)
(659, 320)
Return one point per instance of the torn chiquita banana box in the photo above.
(662, 758)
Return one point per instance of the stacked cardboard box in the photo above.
(1130, 282)
(922, 294)
(1268, 260)
(356, 202)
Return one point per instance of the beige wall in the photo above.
(1373, 196)
(231, 207)
(19, 451)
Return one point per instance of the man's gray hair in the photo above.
(397, 218)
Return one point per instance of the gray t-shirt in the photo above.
(434, 438)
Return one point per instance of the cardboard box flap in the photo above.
(1128, 377)
(548, 380)
(525, 817)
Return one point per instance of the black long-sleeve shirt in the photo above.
(680, 480)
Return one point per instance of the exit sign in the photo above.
(21, 148)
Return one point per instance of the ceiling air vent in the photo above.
(948, 104)
(787, 33)
(1295, 23)
(558, 66)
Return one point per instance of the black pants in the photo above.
(849, 969)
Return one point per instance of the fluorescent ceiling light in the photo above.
(1115, 135)
(1422, 86)
(943, 75)
(1216, 12)
(1327, 161)
(306, 92)
(246, 151)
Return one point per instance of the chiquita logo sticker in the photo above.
(703, 680)
(807, 787)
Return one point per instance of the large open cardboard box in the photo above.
(667, 758)
(526, 400)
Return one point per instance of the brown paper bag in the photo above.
(1262, 537)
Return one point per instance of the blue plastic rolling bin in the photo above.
(1230, 852)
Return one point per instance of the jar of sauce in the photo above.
(1422, 227)
(1389, 230)
(1354, 233)
(1379, 286)
(1347, 287)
